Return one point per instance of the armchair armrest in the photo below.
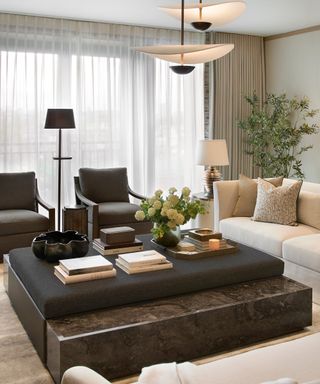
(93, 209)
(84, 200)
(226, 195)
(136, 195)
(49, 208)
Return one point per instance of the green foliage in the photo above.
(274, 131)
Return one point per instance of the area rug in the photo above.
(20, 363)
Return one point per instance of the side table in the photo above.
(206, 220)
(75, 218)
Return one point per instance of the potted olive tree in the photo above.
(274, 131)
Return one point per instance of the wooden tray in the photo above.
(195, 255)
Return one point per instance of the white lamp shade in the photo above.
(188, 54)
(217, 13)
(212, 152)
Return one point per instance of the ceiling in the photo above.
(262, 17)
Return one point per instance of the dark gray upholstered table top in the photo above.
(55, 299)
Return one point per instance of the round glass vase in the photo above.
(169, 239)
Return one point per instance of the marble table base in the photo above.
(119, 342)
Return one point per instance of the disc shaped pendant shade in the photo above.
(188, 54)
(185, 54)
(217, 13)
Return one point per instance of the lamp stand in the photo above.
(60, 158)
(212, 174)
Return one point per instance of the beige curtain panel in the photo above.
(230, 79)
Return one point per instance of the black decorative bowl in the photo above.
(54, 246)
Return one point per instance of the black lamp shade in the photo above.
(60, 118)
(182, 69)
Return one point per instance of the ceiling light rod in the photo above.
(182, 69)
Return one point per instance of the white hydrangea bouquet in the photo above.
(168, 213)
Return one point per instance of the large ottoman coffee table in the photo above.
(117, 326)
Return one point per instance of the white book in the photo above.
(147, 268)
(142, 258)
(116, 251)
(66, 279)
(85, 265)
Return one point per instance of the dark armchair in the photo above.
(20, 221)
(106, 194)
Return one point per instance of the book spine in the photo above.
(81, 271)
(85, 277)
(150, 268)
(105, 246)
(116, 251)
(146, 263)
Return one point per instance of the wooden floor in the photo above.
(19, 361)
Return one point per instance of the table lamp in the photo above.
(59, 119)
(211, 153)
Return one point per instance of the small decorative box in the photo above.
(117, 235)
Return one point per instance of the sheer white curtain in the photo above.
(130, 110)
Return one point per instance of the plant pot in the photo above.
(170, 239)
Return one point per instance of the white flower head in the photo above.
(157, 204)
(186, 191)
(151, 200)
(180, 219)
(163, 212)
(172, 190)
(172, 225)
(158, 193)
(151, 211)
(173, 199)
(172, 214)
(139, 215)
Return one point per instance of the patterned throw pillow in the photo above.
(277, 204)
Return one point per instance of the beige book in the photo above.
(66, 279)
(86, 264)
(146, 268)
(139, 259)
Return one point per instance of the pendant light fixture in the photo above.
(203, 16)
(185, 54)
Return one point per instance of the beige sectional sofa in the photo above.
(299, 246)
(295, 359)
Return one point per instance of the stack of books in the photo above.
(140, 262)
(106, 249)
(117, 240)
(201, 240)
(84, 269)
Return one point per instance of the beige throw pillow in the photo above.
(277, 204)
(248, 195)
(309, 209)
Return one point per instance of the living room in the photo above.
(156, 115)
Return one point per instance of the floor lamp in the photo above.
(59, 119)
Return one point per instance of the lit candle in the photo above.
(214, 244)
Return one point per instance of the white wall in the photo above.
(293, 66)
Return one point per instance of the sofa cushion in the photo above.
(16, 221)
(266, 237)
(309, 208)
(248, 195)
(277, 204)
(298, 359)
(304, 251)
(18, 191)
(117, 213)
(104, 185)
